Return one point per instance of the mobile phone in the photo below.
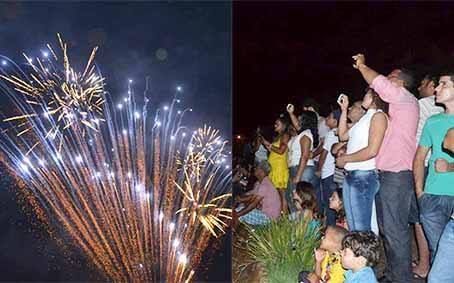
(340, 99)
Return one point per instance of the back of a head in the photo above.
(363, 243)
(285, 122)
(265, 166)
(431, 78)
(309, 121)
(408, 77)
(336, 114)
(338, 232)
(378, 101)
(310, 102)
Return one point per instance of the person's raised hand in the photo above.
(341, 152)
(319, 254)
(359, 60)
(290, 108)
(341, 161)
(343, 102)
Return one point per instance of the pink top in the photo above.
(399, 144)
(271, 203)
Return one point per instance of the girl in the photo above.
(305, 203)
(336, 204)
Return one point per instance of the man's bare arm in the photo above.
(368, 74)
(418, 169)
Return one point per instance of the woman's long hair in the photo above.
(309, 121)
(341, 213)
(306, 192)
(286, 123)
(380, 103)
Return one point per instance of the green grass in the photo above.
(284, 248)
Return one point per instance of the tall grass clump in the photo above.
(284, 248)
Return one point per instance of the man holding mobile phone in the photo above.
(395, 162)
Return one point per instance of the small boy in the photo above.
(360, 253)
(328, 266)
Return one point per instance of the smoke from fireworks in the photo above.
(139, 194)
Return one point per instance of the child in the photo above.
(328, 266)
(305, 202)
(360, 253)
(336, 204)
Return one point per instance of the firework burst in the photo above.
(59, 93)
(139, 194)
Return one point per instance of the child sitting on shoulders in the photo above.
(336, 204)
(328, 266)
(360, 254)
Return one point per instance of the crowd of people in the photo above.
(370, 171)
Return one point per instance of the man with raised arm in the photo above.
(394, 162)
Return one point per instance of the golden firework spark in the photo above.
(59, 92)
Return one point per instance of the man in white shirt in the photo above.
(427, 105)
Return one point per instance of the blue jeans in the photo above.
(435, 214)
(442, 271)
(308, 176)
(359, 190)
(327, 188)
(393, 203)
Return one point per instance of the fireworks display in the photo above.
(140, 194)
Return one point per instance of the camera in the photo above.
(243, 180)
(340, 99)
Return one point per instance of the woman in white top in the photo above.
(301, 166)
(364, 141)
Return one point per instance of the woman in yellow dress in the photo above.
(278, 159)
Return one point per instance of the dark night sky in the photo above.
(197, 38)
(284, 52)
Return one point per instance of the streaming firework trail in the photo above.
(139, 194)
